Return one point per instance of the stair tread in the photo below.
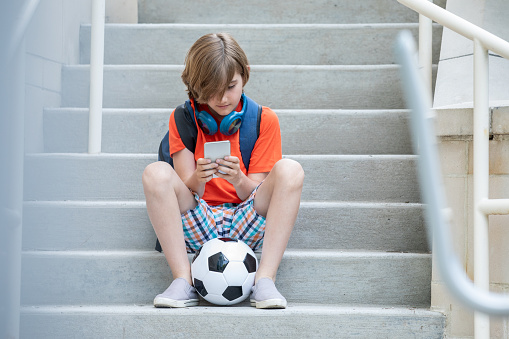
(263, 11)
(241, 321)
(120, 276)
(321, 86)
(168, 43)
(382, 131)
(82, 176)
(297, 320)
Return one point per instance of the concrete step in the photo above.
(270, 12)
(339, 44)
(118, 176)
(327, 131)
(277, 86)
(297, 321)
(136, 277)
(124, 225)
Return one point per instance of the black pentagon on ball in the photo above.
(218, 262)
(232, 292)
(250, 263)
(200, 288)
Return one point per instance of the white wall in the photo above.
(52, 40)
(454, 85)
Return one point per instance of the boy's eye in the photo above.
(231, 86)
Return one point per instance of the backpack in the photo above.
(188, 131)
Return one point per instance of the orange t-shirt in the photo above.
(266, 152)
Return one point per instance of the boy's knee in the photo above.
(289, 170)
(157, 174)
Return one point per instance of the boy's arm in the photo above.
(244, 184)
(248, 184)
(194, 174)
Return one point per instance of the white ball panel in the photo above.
(214, 283)
(200, 267)
(212, 247)
(235, 251)
(235, 273)
(248, 283)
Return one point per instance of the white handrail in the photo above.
(426, 49)
(430, 179)
(16, 17)
(459, 25)
(96, 77)
(483, 41)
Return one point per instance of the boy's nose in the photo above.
(224, 99)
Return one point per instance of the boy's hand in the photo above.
(230, 166)
(205, 169)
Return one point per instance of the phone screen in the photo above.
(216, 150)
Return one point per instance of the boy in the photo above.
(187, 206)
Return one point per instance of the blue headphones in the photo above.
(229, 125)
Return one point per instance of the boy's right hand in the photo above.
(205, 169)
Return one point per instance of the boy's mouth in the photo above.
(223, 107)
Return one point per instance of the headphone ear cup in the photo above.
(231, 123)
(207, 123)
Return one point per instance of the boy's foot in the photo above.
(265, 295)
(179, 294)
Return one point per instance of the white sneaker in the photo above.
(178, 294)
(265, 295)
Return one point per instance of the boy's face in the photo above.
(225, 105)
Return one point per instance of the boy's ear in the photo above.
(248, 68)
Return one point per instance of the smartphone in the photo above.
(216, 150)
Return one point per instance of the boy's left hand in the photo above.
(230, 166)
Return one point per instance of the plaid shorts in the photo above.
(237, 221)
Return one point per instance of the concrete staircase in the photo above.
(357, 264)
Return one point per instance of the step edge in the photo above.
(291, 156)
(290, 254)
(295, 308)
(256, 68)
(150, 110)
(380, 25)
(141, 203)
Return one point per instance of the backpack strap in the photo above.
(249, 130)
(187, 129)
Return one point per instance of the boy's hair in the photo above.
(211, 64)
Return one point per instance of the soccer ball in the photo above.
(223, 271)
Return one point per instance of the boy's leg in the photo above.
(167, 198)
(278, 200)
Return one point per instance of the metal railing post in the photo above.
(96, 76)
(12, 118)
(481, 162)
(426, 51)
